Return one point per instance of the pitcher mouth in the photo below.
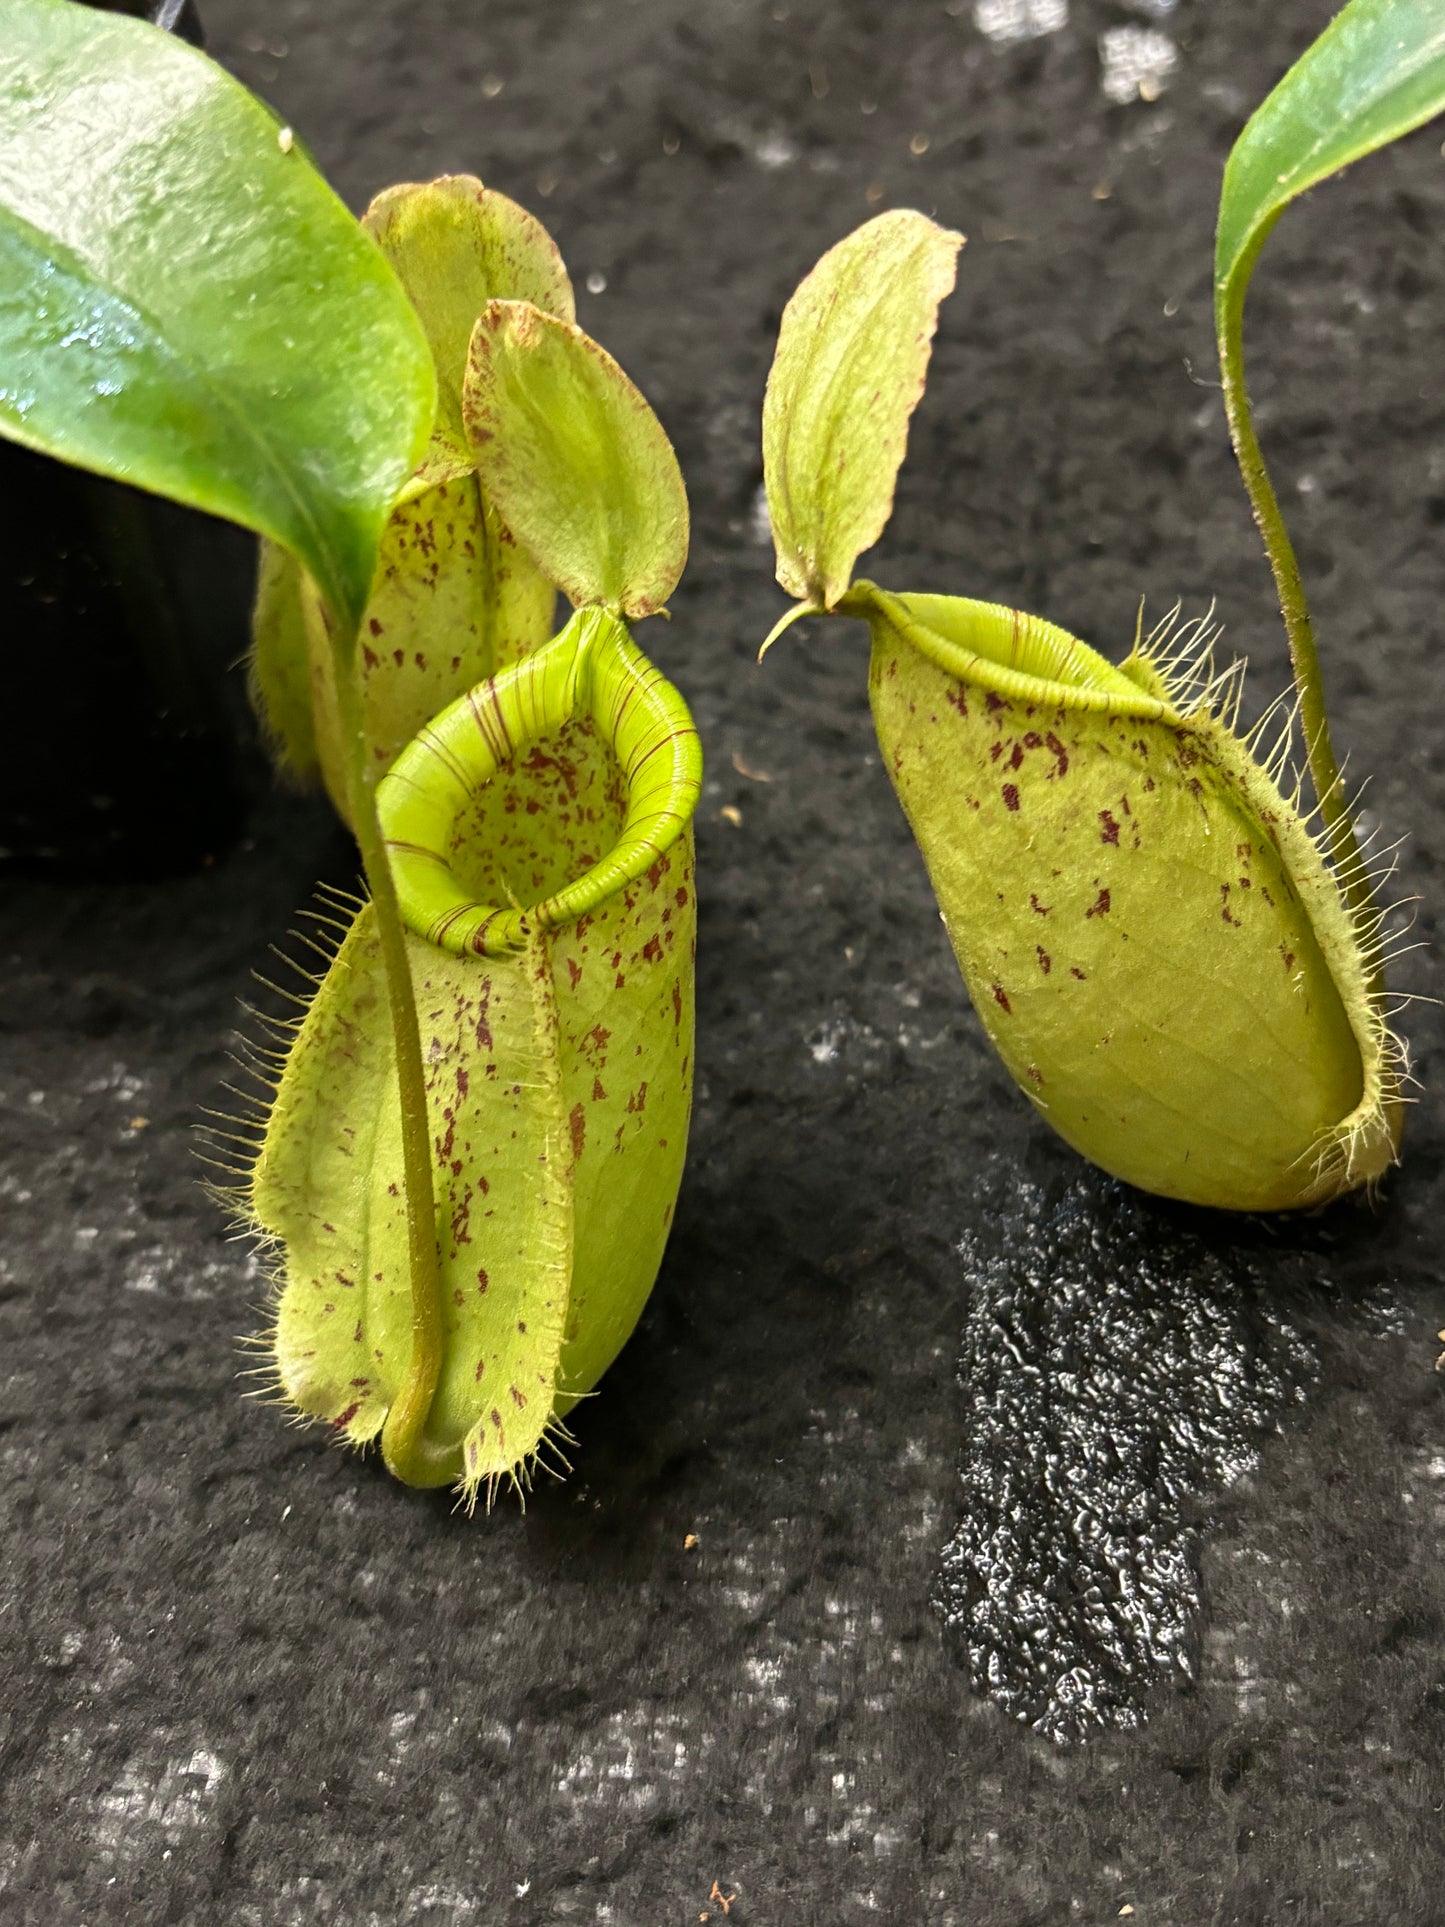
(590, 671)
(1019, 657)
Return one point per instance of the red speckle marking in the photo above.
(1011, 796)
(578, 1121)
(1046, 962)
(1109, 833)
(1100, 906)
(1000, 997)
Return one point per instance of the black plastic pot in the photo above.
(129, 747)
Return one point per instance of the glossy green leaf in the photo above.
(1148, 932)
(455, 246)
(1376, 72)
(849, 371)
(557, 1037)
(574, 459)
(184, 304)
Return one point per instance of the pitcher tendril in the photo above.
(1375, 73)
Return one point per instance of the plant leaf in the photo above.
(1376, 72)
(849, 371)
(186, 305)
(576, 462)
(455, 246)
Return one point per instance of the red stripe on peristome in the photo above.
(501, 719)
(499, 750)
(673, 735)
(438, 928)
(434, 746)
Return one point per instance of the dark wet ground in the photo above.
(1121, 1359)
(247, 1679)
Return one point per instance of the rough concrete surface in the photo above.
(246, 1679)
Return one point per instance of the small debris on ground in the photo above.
(753, 775)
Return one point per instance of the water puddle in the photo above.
(1115, 1366)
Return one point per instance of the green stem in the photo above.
(409, 1454)
(1341, 840)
